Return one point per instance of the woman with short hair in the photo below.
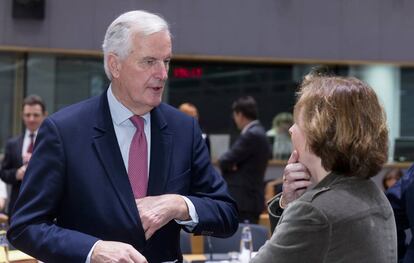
(340, 136)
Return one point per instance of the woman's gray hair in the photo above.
(118, 35)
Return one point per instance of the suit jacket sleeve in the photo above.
(33, 228)
(275, 211)
(8, 167)
(216, 210)
(239, 151)
(303, 233)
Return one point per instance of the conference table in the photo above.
(204, 258)
(230, 257)
(16, 256)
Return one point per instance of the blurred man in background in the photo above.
(244, 165)
(401, 197)
(19, 149)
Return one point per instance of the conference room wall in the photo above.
(342, 30)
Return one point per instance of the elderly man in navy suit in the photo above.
(116, 177)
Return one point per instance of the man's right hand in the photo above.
(296, 179)
(117, 252)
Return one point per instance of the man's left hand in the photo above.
(156, 211)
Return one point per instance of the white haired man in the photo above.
(116, 177)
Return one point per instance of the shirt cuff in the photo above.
(274, 207)
(88, 258)
(192, 223)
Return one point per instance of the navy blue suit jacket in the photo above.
(250, 153)
(11, 163)
(76, 188)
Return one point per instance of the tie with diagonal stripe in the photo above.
(31, 144)
(137, 161)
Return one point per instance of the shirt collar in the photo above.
(334, 177)
(119, 113)
(28, 132)
(250, 124)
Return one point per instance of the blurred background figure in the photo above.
(3, 197)
(191, 110)
(401, 197)
(279, 134)
(243, 166)
(19, 149)
(391, 177)
(3, 201)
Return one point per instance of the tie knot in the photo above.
(138, 122)
(31, 135)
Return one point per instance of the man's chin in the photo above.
(154, 103)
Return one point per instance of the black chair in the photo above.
(185, 242)
(260, 234)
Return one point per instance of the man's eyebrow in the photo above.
(154, 58)
(148, 57)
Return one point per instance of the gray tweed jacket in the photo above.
(343, 219)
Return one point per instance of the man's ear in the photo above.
(113, 65)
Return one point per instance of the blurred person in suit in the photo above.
(116, 177)
(401, 197)
(191, 110)
(243, 166)
(340, 140)
(19, 149)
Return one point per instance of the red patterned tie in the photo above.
(30, 148)
(137, 163)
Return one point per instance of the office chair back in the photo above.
(260, 234)
(185, 242)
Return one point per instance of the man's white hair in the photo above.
(118, 35)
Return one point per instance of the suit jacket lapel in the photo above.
(19, 149)
(108, 151)
(161, 147)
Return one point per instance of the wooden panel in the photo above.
(197, 243)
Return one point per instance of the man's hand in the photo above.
(296, 179)
(20, 172)
(117, 252)
(156, 211)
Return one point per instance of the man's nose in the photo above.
(161, 71)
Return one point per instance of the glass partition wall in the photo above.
(63, 79)
(11, 80)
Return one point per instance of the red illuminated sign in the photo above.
(185, 73)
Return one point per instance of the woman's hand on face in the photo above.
(296, 179)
